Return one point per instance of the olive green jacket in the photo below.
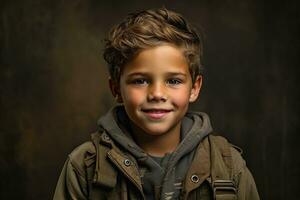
(101, 170)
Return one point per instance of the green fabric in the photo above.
(77, 177)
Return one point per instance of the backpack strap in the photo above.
(221, 181)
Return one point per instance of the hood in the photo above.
(195, 126)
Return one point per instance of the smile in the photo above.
(156, 113)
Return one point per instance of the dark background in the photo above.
(53, 85)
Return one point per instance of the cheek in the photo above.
(181, 97)
(132, 96)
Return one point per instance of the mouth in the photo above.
(156, 113)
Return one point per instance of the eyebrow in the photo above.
(147, 74)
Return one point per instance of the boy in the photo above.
(150, 147)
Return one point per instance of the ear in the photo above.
(115, 90)
(196, 89)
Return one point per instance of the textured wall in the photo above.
(53, 85)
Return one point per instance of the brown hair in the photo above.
(150, 28)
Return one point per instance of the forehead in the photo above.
(159, 59)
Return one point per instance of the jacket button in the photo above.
(194, 178)
(105, 137)
(127, 162)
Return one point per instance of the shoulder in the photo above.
(241, 176)
(227, 149)
(82, 150)
(238, 162)
(82, 155)
(73, 182)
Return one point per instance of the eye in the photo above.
(140, 81)
(174, 81)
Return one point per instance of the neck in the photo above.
(157, 145)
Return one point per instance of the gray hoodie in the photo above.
(161, 177)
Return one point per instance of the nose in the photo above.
(157, 92)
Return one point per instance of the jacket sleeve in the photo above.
(245, 182)
(247, 188)
(71, 184)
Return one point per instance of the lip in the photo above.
(156, 113)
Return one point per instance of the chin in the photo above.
(155, 131)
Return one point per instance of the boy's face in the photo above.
(156, 88)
